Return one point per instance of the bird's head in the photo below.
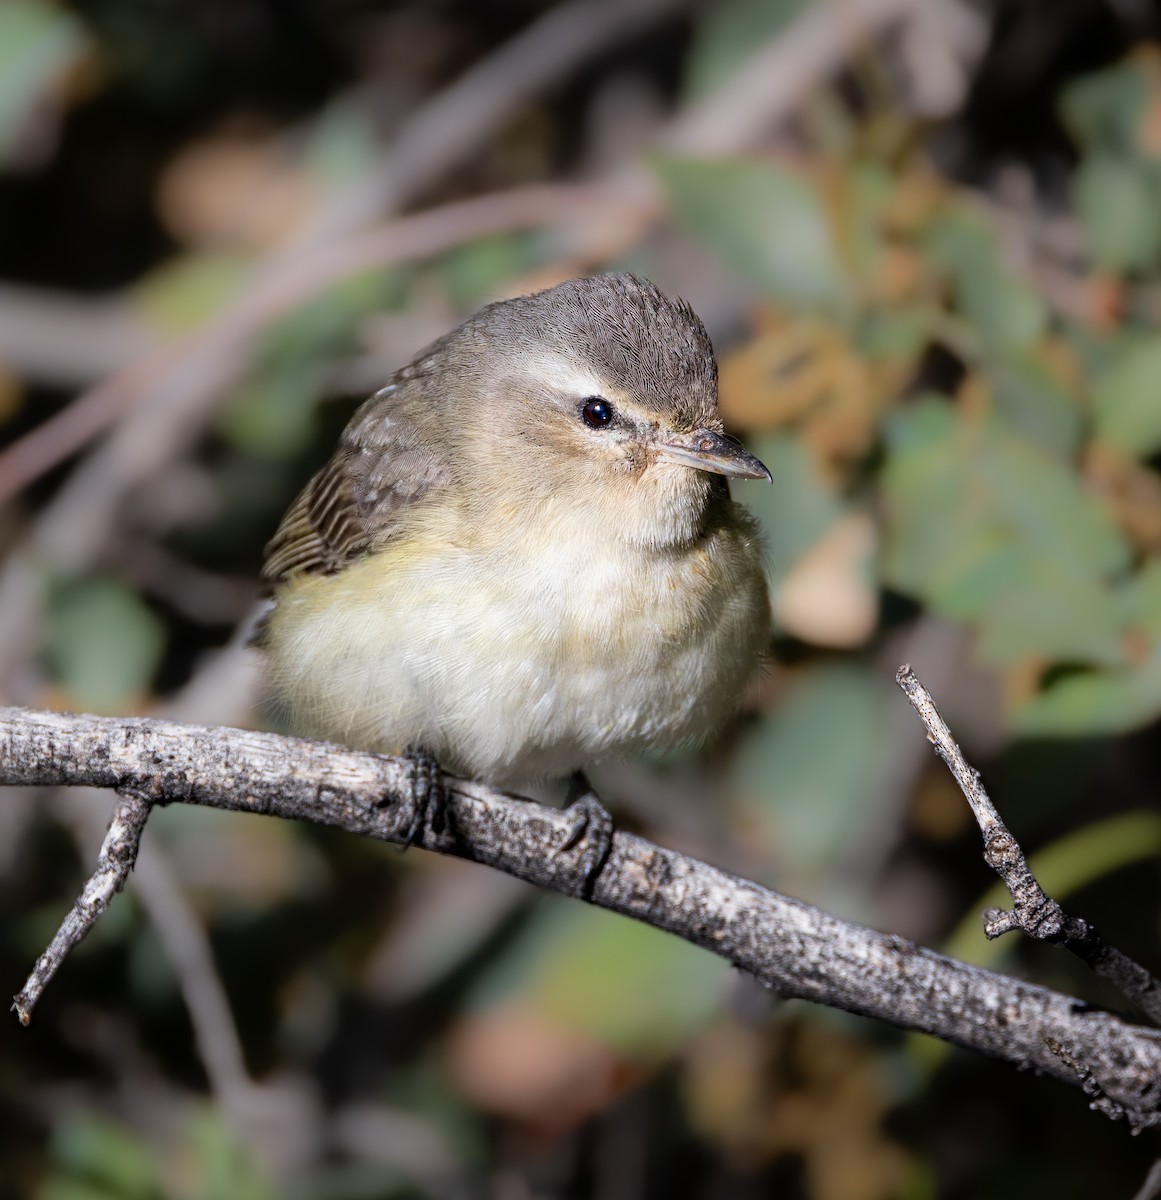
(601, 394)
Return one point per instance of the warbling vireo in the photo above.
(522, 557)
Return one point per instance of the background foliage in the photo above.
(934, 286)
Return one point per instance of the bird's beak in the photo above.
(706, 450)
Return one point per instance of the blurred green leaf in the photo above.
(987, 528)
(1103, 111)
(1033, 402)
(96, 1159)
(1127, 399)
(184, 292)
(984, 526)
(1089, 702)
(894, 335)
(421, 1090)
(1117, 204)
(95, 1156)
(796, 509)
(343, 143)
(1058, 618)
(1144, 598)
(867, 192)
(803, 781)
(632, 987)
(330, 322)
(224, 1169)
(768, 224)
(39, 42)
(728, 33)
(273, 414)
(639, 990)
(73, 1189)
(1040, 502)
(1005, 310)
(104, 643)
(475, 273)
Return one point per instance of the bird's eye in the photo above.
(596, 412)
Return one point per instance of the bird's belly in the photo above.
(526, 669)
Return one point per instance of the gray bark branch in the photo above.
(798, 951)
(115, 861)
(1033, 911)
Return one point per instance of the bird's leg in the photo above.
(590, 821)
(428, 795)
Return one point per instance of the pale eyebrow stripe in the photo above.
(567, 374)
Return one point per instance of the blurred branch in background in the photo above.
(58, 339)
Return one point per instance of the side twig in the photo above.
(114, 862)
(1032, 911)
(798, 951)
(187, 946)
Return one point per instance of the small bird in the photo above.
(522, 558)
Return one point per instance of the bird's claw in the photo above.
(591, 822)
(428, 795)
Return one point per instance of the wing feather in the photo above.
(386, 462)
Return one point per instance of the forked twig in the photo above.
(1032, 911)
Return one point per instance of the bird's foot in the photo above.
(428, 795)
(590, 821)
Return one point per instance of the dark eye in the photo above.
(596, 412)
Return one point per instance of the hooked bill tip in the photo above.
(708, 450)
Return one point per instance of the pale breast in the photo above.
(525, 662)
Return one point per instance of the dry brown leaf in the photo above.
(795, 1089)
(237, 191)
(1148, 58)
(806, 373)
(11, 394)
(1131, 491)
(829, 597)
(919, 195)
(514, 1062)
(776, 378)
(900, 276)
(938, 812)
